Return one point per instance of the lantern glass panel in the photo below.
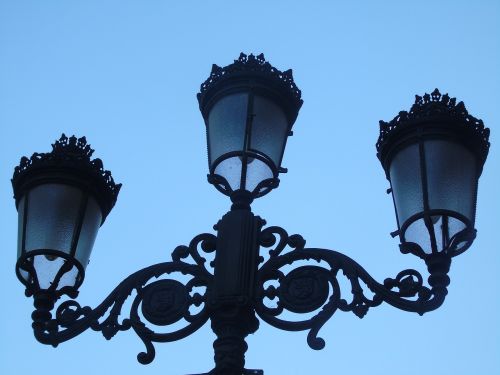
(269, 129)
(226, 126)
(445, 227)
(418, 233)
(456, 226)
(257, 171)
(451, 177)
(406, 183)
(230, 169)
(59, 218)
(47, 268)
(52, 216)
(90, 226)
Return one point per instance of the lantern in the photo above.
(433, 157)
(62, 198)
(249, 108)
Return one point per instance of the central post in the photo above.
(249, 108)
(231, 298)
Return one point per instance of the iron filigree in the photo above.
(256, 65)
(429, 108)
(73, 157)
(159, 303)
(302, 288)
(316, 288)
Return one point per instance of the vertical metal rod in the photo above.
(231, 298)
(246, 141)
(25, 222)
(425, 192)
(82, 209)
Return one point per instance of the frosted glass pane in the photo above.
(47, 269)
(417, 232)
(90, 226)
(257, 171)
(230, 169)
(445, 232)
(25, 275)
(451, 177)
(406, 182)
(20, 221)
(455, 226)
(52, 214)
(226, 125)
(269, 129)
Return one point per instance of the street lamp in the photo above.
(432, 156)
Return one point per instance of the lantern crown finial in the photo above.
(254, 67)
(78, 147)
(435, 108)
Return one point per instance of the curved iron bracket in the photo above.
(309, 289)
(163, 302)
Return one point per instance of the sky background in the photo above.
(126, 73)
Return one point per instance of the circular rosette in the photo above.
(305, 289)
(305, 297)
(165, 302)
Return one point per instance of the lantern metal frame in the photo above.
(253, 267)
(434, 117)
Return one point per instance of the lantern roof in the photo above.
(68, 162)
(435, 110)
(256, 69)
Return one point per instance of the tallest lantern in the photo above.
(249, 108)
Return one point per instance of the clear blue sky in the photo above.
(125, 74)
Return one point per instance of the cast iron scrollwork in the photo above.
(160, 303)
(315, 288)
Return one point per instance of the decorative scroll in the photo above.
(310, 288)
(160, 303)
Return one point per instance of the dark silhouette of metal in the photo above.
(243, 283)
(235, 295)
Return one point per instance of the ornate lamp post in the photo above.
(432, 155)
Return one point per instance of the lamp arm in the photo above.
(162, 302)
(306, 289)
